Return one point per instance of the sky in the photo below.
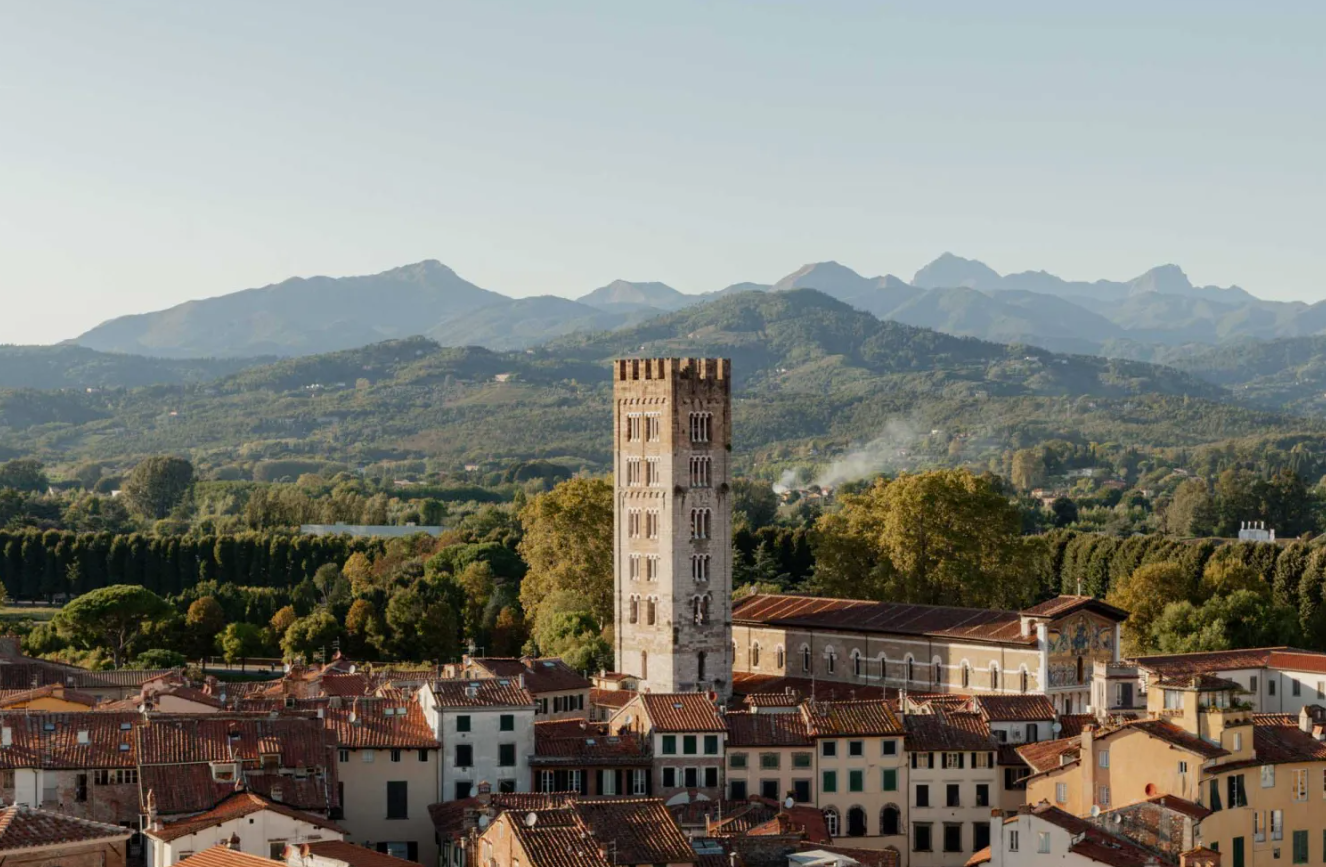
(156, 152)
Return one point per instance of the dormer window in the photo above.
(223, 772)
(271, 761)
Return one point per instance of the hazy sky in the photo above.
(153, 152)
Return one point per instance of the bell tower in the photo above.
(672, 529)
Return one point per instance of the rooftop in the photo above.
(767, 729)
(547, 674)
(854, 615)
(23, 827)
(236, 806)
(948, 730)
(1015, 708)
(224, 856)
(352, 855)
(682, 712)
(481, 692)
(1210, 662)
(841, 718)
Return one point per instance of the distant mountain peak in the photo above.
(1167, 279)
(950, 271)
(621, 294)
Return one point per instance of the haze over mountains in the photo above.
(964, 297)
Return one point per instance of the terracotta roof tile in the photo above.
(1060, 606)
(853, 615)
(50, 690)
(23, 827)
(865, 857)
(1015, 708)
(1171, 734)
(481, 692)
(222, 856)
(1188, 808)
(767, 729)
(578, 742)
(1070, 724)
(946, 730)
(557, 839)
(175, 739)
(69, 740)
(236, 806)
(749, 684)
(375, 723)
(1209, 662)
(1044, 756)
(544, 674)
(612, 699)
(191, 788)
(841, 718)
(642, 828)
(1279, 743)
(980, 856)
(354, 856)
(742, 819)
(682, 712)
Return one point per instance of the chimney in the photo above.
(153, 823)
(521, 680)
(484, 788)
(1087, 763)
(1305, 720)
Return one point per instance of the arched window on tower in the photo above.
(651, 612)
(858, 667)
(805, 657)
(937, 676)
(966, 676)
(699, 665)
(830, 660)
(994, 677)
(911, 669)
(635, 609)
(780, 657)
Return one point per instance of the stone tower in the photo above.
(672, 532)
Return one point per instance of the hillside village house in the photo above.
(1051, 648)
(486, 727)
(688, 734)
(244, 821)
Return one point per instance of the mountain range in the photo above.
(1138, 318)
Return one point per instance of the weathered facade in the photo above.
(672, 550)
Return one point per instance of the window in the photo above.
(1013, 841)
(982, 794)
(690, 778)
(1300, 845)
(711, 745)
(639, 781)
(921, 837)
(1277, 825)
(462, 790)
(755, 655)
(652, 522)
(634, 616)
(857, 664)
(701, 426)
(506, 755)
(1043, 842)
(395, 755)
(423, 755)
(856, 781)
(80, 787)
(653, 427)
(651, 567)
(952, 837)
(700, 567)
(633, 472)
(464, 756)
(780, 657)
(953, 760)
(966, 676)
(829, 781)
(633, 567)
(398, 800)
(952, 795)
(343, 755)
(700, 659)
(889, 780)
(938, 675)
(711, 777)
(802, 760)
(1270, 687)
(653, 477)
(1258, 827)
(994, 678)
(769, 789)
(1183, 767)
(1104, 796)
(831, 821)
(736, 760)
(770, 762)
(830, 660)
(689, 745)
(1022, 680)
(1252, 684)
(1301, 784)
(737, 790)
(801, 791)
(805, 658)
(1238, 741)
(633, 523)
(700, 471)
(669, 778)
(888, 748)
(701, 523)
(1104, 758)
(651, 612)
(1213, 799)
(1061, 793)
(1238, 796)
(890, 821)
(922, 795)
(828, 749)
(1295, 688)
(462, 723)
(982, 760)
(856, 748)
(1033, 733)
(980, 833)
(669, 745)
(633, 427)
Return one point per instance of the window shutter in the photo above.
(943, 760)
(961, 760)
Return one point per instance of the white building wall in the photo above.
(257, 833)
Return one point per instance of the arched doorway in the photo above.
(856, 822)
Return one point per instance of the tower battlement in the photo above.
(631, 369)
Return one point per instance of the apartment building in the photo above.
(486, 728)
(617, 832)
(953, 780)
(244, 821)
(1270, 679)
(770, 754)
(862, 771)
(575, 755)
(687, 734)
(560, 692)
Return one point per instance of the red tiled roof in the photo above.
(53, 740)
(191, 788)
(804, 822)
(948, 730)
(1015, 708)
(1280, 743)
(546, 674)
(236, 806)
(1201, 682)
(1070, 724)
(841, 718)
(854, 615)
(1095, 843)
(481, 692)
(1188, 808)
(767, 729)
(1171, 734)
(557, 839)
(222, 856)
(1060, 606)
(1044, 756)
(682, 712)
(772, 699)
(642, 829)
(23, 827)
(378, 723)
(301, 742)
(556, 742)
(1206, 662)
(345, 685)
(188, 693)
(49, 690)
(741, 820)
(980, 856)
(354, 856)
